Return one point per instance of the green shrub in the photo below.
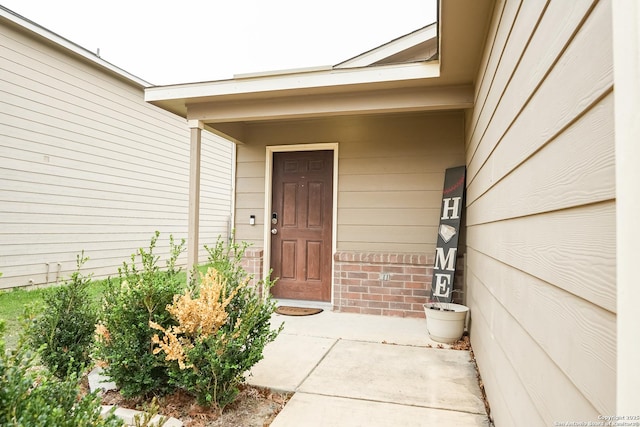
(150, 416)
(65, 327)
(139, 296)
(33, 397)
(220, 329)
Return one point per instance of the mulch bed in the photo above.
(254, 407)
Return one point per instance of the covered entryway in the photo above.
(391, 119)
(301, 224)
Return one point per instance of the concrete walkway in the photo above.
(360, 370)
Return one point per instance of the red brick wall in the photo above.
(252, 263)
(360, 285)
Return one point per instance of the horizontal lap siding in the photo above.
(391, 172)
(215, 190)
(249, 193)
(541, 213)
(86, 164)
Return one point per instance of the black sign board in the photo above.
(444, 268)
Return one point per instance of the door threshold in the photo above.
(327, 306)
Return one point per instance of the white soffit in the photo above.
(392, 48)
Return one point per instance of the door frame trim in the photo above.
(268, 185)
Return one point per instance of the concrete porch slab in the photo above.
(403, 375)
(357, 327)
(288, 361)
(363, 370)
(311, 410)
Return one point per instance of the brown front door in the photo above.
(302, 208)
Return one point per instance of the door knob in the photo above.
(274, 231)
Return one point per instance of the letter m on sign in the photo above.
(444, 269)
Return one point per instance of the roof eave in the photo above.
(392, 48)
(176, 97)
(41, 32)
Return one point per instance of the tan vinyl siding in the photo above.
(391, 172)
(541, 213)
(86, 164)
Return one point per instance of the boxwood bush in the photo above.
(220, 329)
(30, 396)
(64, 326)
(140, 296)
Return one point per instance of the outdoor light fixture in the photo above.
(252, 220)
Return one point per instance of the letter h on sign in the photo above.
(444, 269)
(451, 210)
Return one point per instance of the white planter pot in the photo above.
(446, 326)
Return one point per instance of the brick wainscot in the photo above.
(252, 263)
(388, 284)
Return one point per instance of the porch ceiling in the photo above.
(225, 107)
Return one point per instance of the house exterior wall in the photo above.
(541, 210)
(390, 177)
(86, 164)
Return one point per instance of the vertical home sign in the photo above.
(444, 268)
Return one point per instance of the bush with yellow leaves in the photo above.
(220, 329)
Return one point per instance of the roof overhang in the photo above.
(371, 83)
(294, 83)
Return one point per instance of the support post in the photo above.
(194, 195)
